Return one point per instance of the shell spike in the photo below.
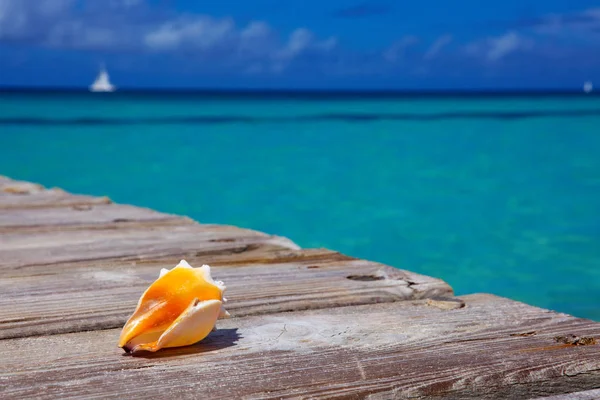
(162, 272)
(183, 264)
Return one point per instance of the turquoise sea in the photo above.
(497, 194)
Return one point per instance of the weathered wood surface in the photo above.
(55, 246)
(308, 323)
(394, 350)
(103, 256)
(593, 394)
(103, 294)
(19, 194)
(80, 217)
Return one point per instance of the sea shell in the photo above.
(179, 309)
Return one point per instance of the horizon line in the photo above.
(297, 91)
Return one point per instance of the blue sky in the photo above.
(424, 44)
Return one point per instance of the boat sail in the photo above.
(102, 82)
(588, 87)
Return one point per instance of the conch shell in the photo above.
(179, 309)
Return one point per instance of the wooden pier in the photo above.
(307, 323)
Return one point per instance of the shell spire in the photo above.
(180, 308)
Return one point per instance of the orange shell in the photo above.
(176, 294)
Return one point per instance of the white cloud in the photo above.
(201, 33)
(302, 40)
(277, 58)
(398, 49)
(256, 30)
(75, 34)
(12, 18)
(24, 19)
(132, 25)
(502, 46)
(496, 48)
(584, 23)
(548, 38)
(51, 8)
(257, 39)
(437, 46)
(125, 3)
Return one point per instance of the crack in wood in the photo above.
(365, 278)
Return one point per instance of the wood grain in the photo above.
(395, 350)
(21, 249)
(91, 217)
(593, 394)
(55, 231)
(9, 186)
(70, 298)
(307, 323)
(26, 195)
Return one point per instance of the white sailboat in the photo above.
(102, 82)
(588, 87)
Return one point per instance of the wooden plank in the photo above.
(14, 187)
(52, 233)
(79, 212)
(50, 198)
(103, 295)
(21, 249)
(585, 395)
(382, 351)
(268, 252)
(91, 217)
(20, 194)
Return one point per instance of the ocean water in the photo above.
(497, 194)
